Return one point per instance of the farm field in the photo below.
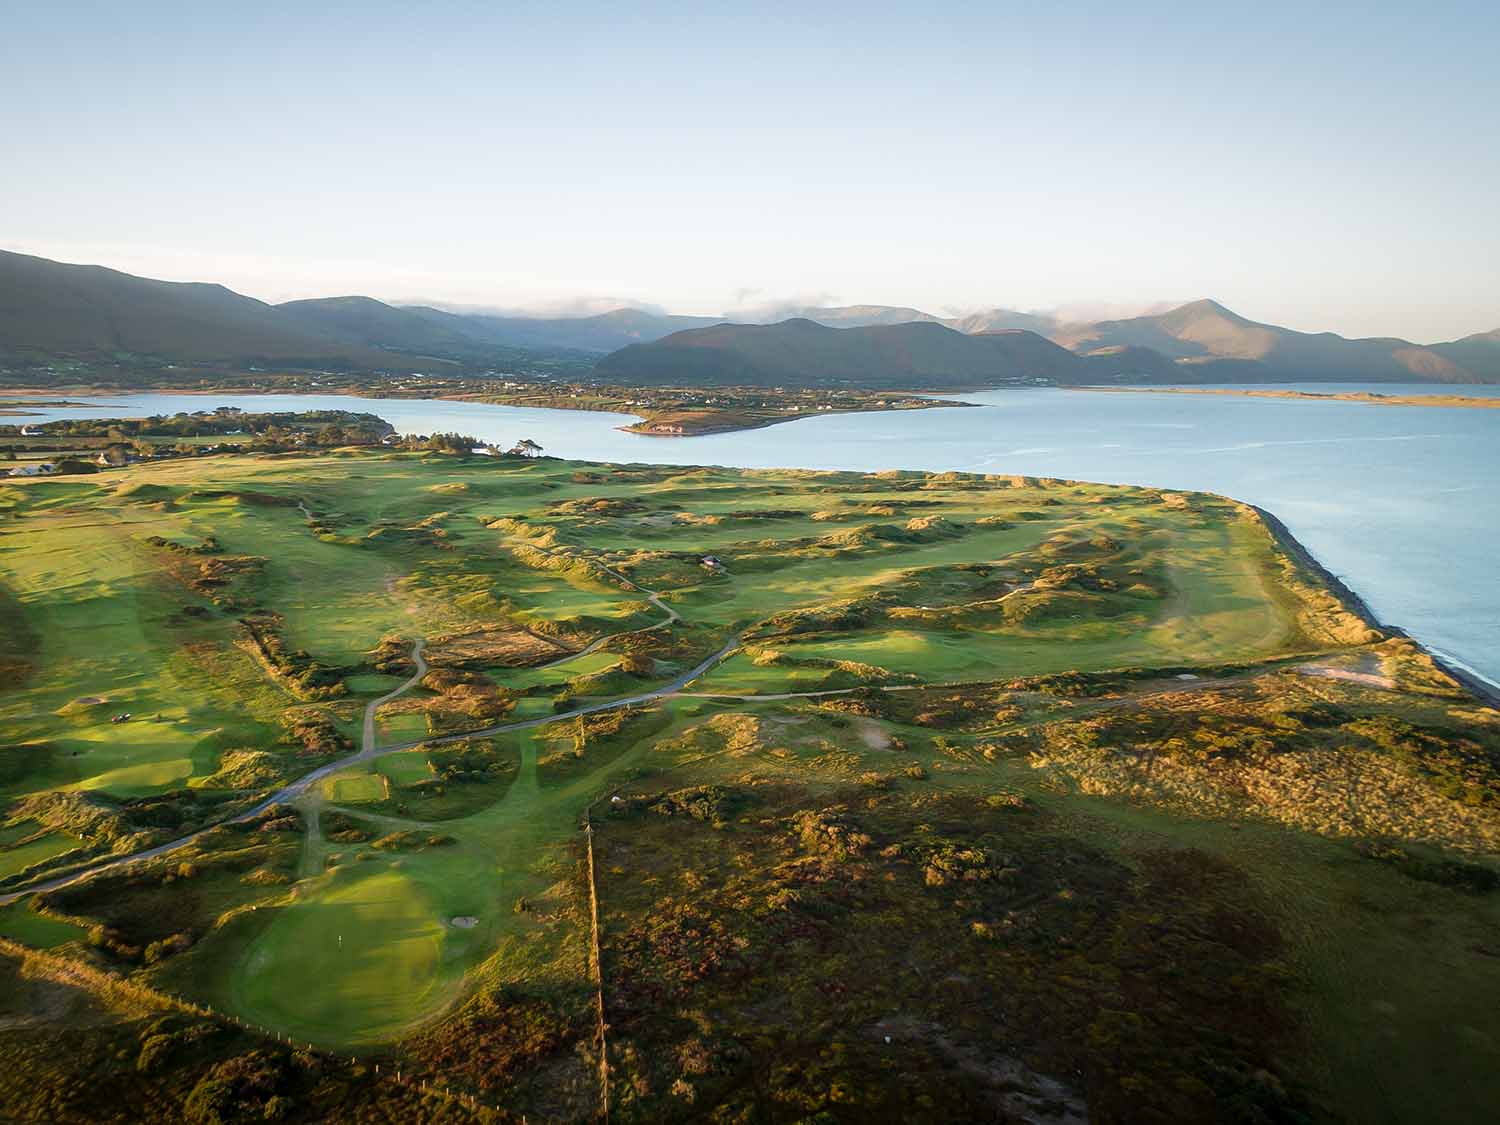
(1089, 797)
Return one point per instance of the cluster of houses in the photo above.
(34, 469)
(110, 457)
(524, 448)
(118, 455)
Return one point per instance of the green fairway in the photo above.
(19, 923)
(952, 649)
(18, 857)
(522, 679)
(372, 683)
(405, 768)
(401, 726)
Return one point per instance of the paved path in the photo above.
(371, 750)
(366, 751)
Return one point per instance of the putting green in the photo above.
(114, 621)
(355, 964)
(353, 788)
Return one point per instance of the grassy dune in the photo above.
(1034, 740)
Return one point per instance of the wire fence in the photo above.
(80, 974)
(596, 966)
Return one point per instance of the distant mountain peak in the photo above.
(800, 352)
(1206, 306)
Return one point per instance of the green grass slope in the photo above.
(989, 793)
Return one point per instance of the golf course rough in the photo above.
(898, 672)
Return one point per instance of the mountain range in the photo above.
(53, 311)
(1205, 333)
(88, 312)
(802, 352)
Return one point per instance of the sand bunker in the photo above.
(464, 921)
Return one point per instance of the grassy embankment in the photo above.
(1097, 757)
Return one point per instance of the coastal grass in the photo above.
(1398, 1026)
(109, 639)
(1009, 613)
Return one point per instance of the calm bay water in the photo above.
(1401, 502)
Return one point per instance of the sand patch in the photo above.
(464, 922)
(1369, 679)
(508, 648)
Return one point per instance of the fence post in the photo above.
(597, 962)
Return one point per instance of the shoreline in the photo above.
(766, 423)
(1476, 685)
(727, 422)
(1437, 398)
(1485, 691)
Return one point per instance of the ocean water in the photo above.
(1402, 502)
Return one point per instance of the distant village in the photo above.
(91, 445)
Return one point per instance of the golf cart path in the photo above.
(367, 751)
(371, 750)
(672, 617)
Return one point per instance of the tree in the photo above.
(452, 443)
(526, 448)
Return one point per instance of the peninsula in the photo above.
(1373, 398)
(422, 760)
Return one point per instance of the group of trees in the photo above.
(466, 443)
(348, 426)
(131, 438)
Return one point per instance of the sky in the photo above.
(1326, 167)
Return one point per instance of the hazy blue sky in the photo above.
(1322, 165)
